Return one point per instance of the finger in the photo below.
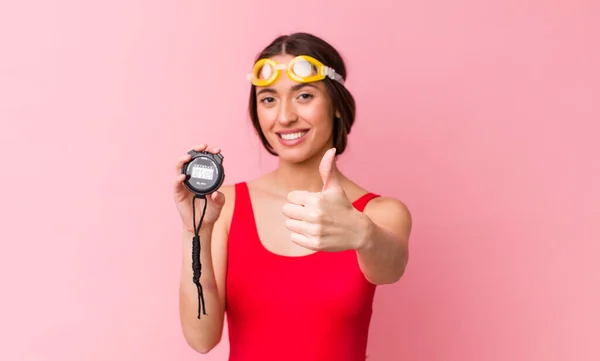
(218, 199)
(179, 188)
(303, 241)
(303, 198)
(200, 148)
(178, 183)
(328, 171)
(181, 162)
(295, 211)
(297, 226)
(305, 228)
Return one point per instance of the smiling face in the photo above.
(295, 118)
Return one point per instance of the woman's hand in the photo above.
(183, 197)
(326, 220)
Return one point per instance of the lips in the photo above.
(292, 134)
(292, 137)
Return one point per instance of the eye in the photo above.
(267, 100)
(305, 96)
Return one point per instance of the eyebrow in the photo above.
(294, 88)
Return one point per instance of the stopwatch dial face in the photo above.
(203, 174)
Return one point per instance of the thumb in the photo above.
(217, 199)
(328, 171)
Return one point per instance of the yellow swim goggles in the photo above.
(303, 69)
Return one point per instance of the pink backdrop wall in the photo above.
(484, 115)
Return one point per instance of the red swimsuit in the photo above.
(310, 308)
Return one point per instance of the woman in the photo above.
(294, 256)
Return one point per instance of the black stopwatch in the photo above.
(203, 175)
(204, 172)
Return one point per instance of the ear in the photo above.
(337, 114)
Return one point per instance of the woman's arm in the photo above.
(205, 333)
(383, 248)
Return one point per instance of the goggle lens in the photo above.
(266, 71)
(303, 68)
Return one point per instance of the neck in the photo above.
(299, 176)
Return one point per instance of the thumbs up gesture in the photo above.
(326, 220)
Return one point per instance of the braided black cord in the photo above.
(196, 265)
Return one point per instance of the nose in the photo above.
(287, 112)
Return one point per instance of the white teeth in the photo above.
(292, 136)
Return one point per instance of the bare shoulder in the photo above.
(383, 204)
(390, 213)
(384, 211)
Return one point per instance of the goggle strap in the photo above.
(330, 72)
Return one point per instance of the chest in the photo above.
(328, 285)
(271, 230)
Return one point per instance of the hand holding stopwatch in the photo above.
(204, 175)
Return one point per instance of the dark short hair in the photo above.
(307, 44)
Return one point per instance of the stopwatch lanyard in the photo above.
(196, 265)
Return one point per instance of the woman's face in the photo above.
(296, 118)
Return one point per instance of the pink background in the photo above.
(480, 115)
